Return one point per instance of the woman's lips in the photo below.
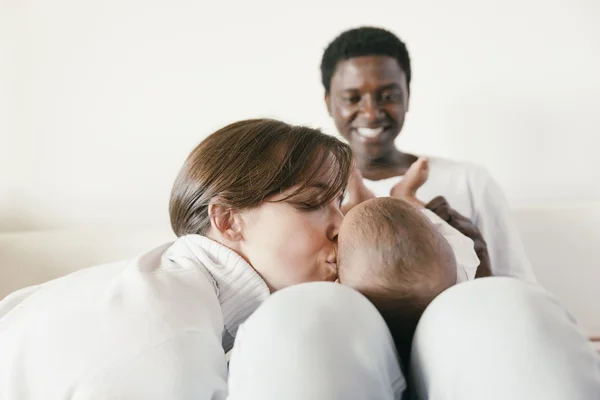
(334, 274)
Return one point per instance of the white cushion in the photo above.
(29, 258)
(563, 245)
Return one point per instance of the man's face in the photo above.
(368, 100)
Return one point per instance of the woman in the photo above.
(256, 207)
(366, 74)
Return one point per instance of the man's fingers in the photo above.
(437, 202)
(444, 212)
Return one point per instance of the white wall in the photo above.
(101, 101)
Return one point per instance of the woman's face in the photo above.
(291, 242)
(368, 100)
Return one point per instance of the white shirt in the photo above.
(475, 194)
(462, 247)
(155, 327)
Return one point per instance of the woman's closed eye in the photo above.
(309, 205)
(318, 204)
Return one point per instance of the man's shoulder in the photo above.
(443, 168)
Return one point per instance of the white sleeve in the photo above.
(494, 219)
(191, 366)
(462, 246)
(13, 300)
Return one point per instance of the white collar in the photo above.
(239, 288)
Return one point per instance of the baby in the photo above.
(401, 257)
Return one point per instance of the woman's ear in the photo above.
(225, 221)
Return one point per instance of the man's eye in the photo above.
(390, 96)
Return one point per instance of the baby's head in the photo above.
(390, 252)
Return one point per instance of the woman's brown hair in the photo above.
(242, 164)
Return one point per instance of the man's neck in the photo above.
(392, 163)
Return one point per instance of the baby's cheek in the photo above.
(342, 273)
(351, 275)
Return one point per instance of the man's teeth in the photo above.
(369, 133)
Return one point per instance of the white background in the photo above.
(101, 101)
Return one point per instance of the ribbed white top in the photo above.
(156, 326)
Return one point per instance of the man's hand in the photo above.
(440, 206)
